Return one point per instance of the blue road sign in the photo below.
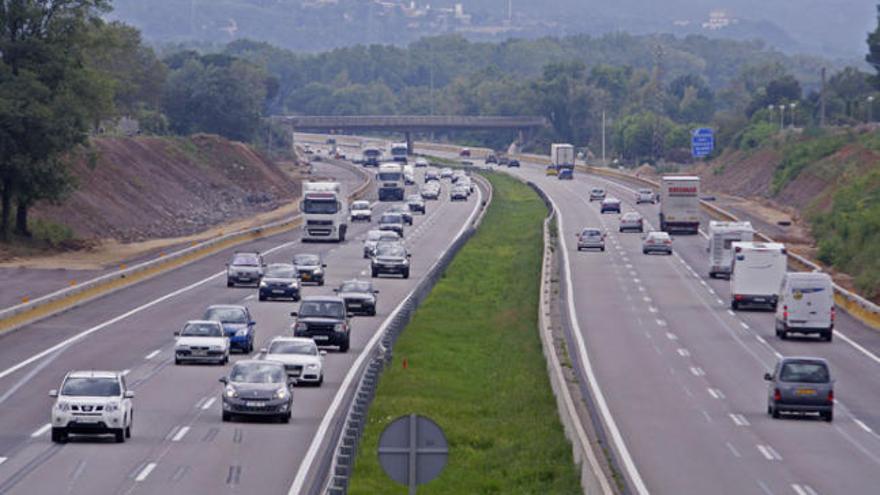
(702, 142)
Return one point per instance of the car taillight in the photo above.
(833, 313)
(667, 241)
(738, 297)
(831, 396)
(738, 250)
(777, 395)
(785, 313)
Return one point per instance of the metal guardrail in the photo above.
(17, 316)
(856, 305)
(352, 426)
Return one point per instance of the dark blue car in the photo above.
(565, 174)
(237, 324)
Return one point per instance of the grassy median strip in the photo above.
(475, 366)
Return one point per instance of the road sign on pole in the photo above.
(702, 142)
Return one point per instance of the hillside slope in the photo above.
(154, 187)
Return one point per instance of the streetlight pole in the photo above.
(781, 118)
(870, 109)
(604, 163)
(793, 106)
(770, 113)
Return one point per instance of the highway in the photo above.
(681, 375)
(179, 444)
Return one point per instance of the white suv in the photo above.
(92, 403)
(361, 210)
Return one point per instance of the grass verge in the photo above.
(475, 366)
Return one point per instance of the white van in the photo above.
(757, 273)
(721, 236)
(806, 305)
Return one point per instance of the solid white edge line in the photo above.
(306, 465)
(626, 459)
(41, 430)
(145, 472)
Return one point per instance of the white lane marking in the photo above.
(145, 472)
(739, 419)
(3, 459)
(733, 450)
(208, 403)
(41, 430)
(330, 416)
(863, 426)
(720, 302)
(697, 371)
(671, 336)
(125, 372)
(761, 339)
(180, 434)
(637, 281)
(711, 291)
(715, 393)
(152, 354)
(661, 323)
(652, 309)
(707, 416)
(684, 352)
(744, 325)
(730, 312)
(647, 299)
(85, 333)
(803, 489)
(250, 297)
(769, 453)
(631, 471)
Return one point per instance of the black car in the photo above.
(392, 222)
(513, 164)
(404, 212)
(309, 268)
(390, 258)
(490, 158)
(359, 297)
(257, 388)
(416, 203)
(323, 319)
(280, 281)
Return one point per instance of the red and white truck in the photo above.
(680, 204)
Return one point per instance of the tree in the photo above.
(47, 94)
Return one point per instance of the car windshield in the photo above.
(360, 205)
(91, 387)
(293, 347)
(201, 330)
(320, 206)
(325, 309)
(257, 373)
(391, 218)
(374, 235)
(280, 271)
(631, 216)
(356, 286)
(391, 249)
(804, 372)
(226, 315)
(591, 233)
(246, 260)
(659, 236)
(307, 259)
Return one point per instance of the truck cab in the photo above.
(325, 212)
(399, 152)
(372, 157)
(391, 182)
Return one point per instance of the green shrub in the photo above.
(51, 233)
(800, 154)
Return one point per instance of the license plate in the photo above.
(321, 337)
(805, 391)
(306, 276)
(88, 419)
(254, 404)
(244, 279)
(199, 353)
(354, 305)
(278, 291)
(760, 299)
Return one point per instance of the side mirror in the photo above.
(129, 394)
(251, 323)
(349, 315)
(324, 265)
(336, 290)
(322, 352)
(768, 377)
(224, 381)
(53, 393)
(294, 314)
(177, 334)
(376, 291)
(409, 256)
(264, 351)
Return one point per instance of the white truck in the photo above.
(806, 305)
(399, 152)
(325, 211)
(680, 204)
(721, 236)
(372, 156)
(757, 273)
(391, 182)
(409, 175)
(562, 156)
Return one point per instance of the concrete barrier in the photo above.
(17, 316)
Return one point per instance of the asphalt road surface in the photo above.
(179, 443)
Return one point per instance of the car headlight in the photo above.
(231, 392)
(318, 271)
(294, 284)
(263, 284)
(63, 406)
(301, 327)
(340, 327)
(312, 366)
(216, 347)
(405, 261)
(241, 332)
(281, 393)
(112, 407)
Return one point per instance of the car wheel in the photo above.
(119, 435)
(176, 361)
(343, 347)
(734, 305)
(225, 360)
(372, 312)
(829, 416)
(829, 336)
(644, 251)
(406, 274)
(262, 297)
(59, 435)
(375, 274)
(775, 413)
(227, 417)
(602, 249)
(229, 283)
(320, 380)
(128, 431)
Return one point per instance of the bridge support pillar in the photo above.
(410, 148)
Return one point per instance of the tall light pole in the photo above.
(770, 113)
(793, 106)
(871, 109)
(604, 163)
(781, 118)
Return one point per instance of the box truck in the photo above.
(757, 273)
(722, 235)
(806, 305)
(680, 204)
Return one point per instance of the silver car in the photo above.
(244, 268)
(374, 237)
(597, 194)
(645, 196)
(657, 242)
(591, 238)
(800, 385)
(631, 221)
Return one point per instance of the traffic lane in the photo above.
(32, 339)
(854, 356)
(282, 324)
(849, 440)
(642, 387)
(35, 282)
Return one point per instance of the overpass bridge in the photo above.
(410, 123)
